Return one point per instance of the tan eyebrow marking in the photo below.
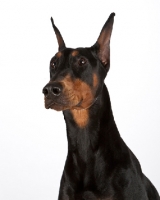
(59, 54)
(75, 53)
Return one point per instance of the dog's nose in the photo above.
(52, 89)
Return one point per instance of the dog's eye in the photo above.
(53, 64)
(81, 62)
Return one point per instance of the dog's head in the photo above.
(77, 75)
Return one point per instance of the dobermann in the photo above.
(99, 165)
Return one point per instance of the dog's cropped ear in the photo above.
(59, 37)
(103, 43)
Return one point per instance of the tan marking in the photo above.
(59, 54)
(95, 80)
(77, 91)
(81, 117)
(75, 53)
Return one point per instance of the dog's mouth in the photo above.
(47, 106)
(59, 106)
(50, 104)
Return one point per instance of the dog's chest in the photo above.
(88, 195)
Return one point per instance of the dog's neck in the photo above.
(85, 128)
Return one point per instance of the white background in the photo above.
(33, 144)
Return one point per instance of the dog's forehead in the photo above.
(70, 52)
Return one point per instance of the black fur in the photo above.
(99, 165)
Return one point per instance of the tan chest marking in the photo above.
(81, 117)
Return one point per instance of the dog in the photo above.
(99, 165)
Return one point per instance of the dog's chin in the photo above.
(55, 106)
(58, 107)
(49, 104)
